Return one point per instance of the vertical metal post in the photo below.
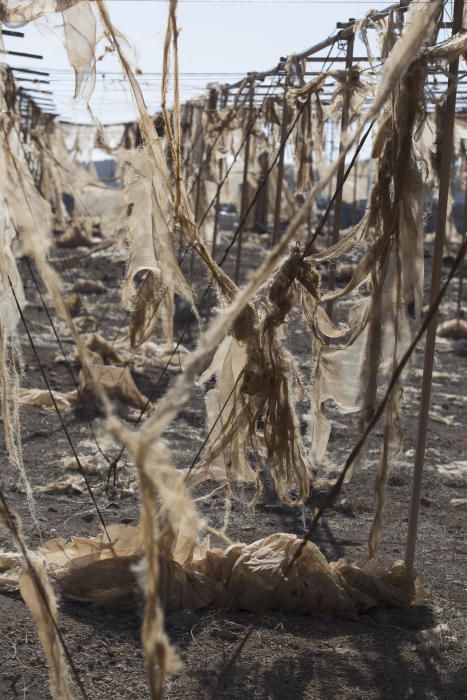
(216, 214)
(197, 202)
(444, 183)
(340, 172)
(262, 193)
(280, 170)
(312, 181)
(331, 183)
(404, 4)
(464, 232)
(244, 202)
(355, 191)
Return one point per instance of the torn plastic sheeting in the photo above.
(254, 577)
(43, 398)
(455, 328)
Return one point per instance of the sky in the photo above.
(220, 40)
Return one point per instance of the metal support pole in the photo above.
(214, 236)
(29, 71)
(216, 214)
(262, 203)
(340, 172)
(22, 54)
(444, 183)
(355, 192)
(312, 211)
(464, 233)
(280, 171)
(331, 184)
(197, 203)
(9, 32)
(246, 163)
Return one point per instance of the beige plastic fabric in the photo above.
(117, 381)
(80, 140)
(43, 398)
(18, 12)
(179, 392)
(79, 25)
(80, 41)
(150, 241)
(35, 587)
(278, 572)
(44, 612)
(225, 461)
(22, 210)
(455, 328)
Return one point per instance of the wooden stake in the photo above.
(444, 183)
(340, 172)
(244, 202)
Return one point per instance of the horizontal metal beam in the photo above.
(22, 54)
(339, 59)
(42, 92)
(38, 100)
(342, 34)
(32, 80)
(29, 71)
(345, 25)
(10, 32)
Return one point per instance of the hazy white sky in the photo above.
(218, 38)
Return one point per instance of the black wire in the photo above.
(67, 362)
(62, 259)
(203, 218)
(226, 252)
(57, 410)
(336, 192)
(114, 464)
(115, 461)
(211, 430)
(43, 302)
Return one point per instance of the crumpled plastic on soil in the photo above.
(455, 328)
(273, 573)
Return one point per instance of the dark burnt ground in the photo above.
(287, 656)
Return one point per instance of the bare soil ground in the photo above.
(287, 657)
